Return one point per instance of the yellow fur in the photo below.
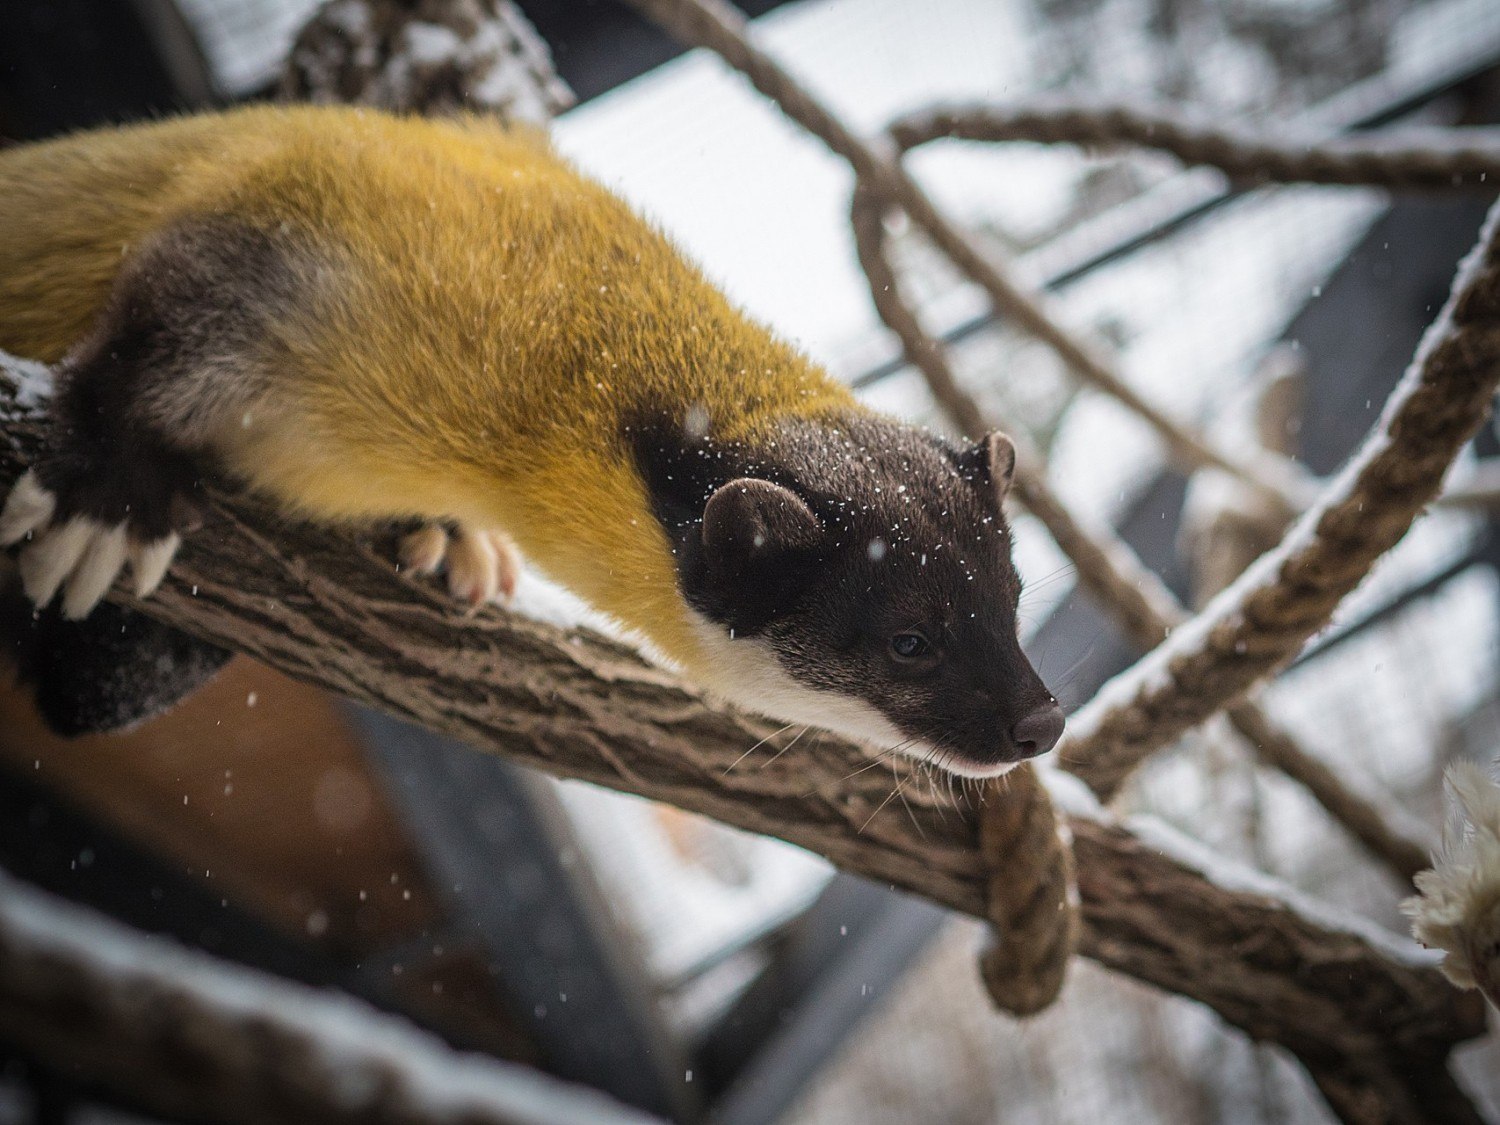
(484, 321)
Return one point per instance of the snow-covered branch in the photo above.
(181, 1033)
(431, 58)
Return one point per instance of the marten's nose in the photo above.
(1039, 731)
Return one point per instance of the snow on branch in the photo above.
(434, 58)
(331, 609)
(182, 1033)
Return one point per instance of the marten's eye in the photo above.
(910, 646)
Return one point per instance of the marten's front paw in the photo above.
(80, 553)
(481, 564)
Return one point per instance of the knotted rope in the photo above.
(1032, 899)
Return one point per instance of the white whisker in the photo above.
(784, 749)
(756, 747)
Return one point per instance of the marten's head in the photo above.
(856, 575)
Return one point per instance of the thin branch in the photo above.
(1428, 159)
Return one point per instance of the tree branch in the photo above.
(180, 1033)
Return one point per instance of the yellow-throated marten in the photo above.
(367, 318)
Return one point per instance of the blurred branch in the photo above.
(180, 1033)
(430, 57)
(1426, 159)
(329, 609)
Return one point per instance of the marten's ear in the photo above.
(1000, 463)
(990, 464)
(760, 541)
(748, 521)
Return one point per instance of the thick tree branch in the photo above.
(330, 609)
(180, 1033)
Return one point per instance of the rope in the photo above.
(1260, 622)
(1106, 566)
(1435, 159)
(1030, 886)
(1032, 899)
(717, 26)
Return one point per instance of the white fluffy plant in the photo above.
(1458, 907)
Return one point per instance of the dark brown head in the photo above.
(868, 565)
